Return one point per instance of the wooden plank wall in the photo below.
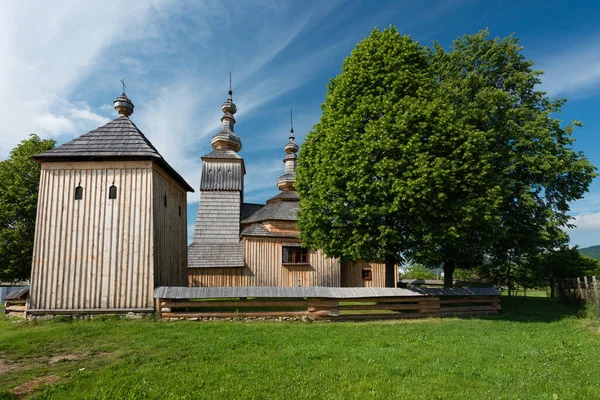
(264, 268)
(352, 274)
(170, 230)
(93, 253)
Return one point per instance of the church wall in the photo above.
(93, 253)
(352, 274)
(170, 230)
(264, 268)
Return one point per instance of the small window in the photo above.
(367, 275)
(294, 255)
(165, 199)
(78, 193)
(180, 211)
(112, 192)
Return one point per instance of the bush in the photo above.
(418, 271)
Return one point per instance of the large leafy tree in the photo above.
(19, 180)
(387, 155)
(449, 158)
(533, 167)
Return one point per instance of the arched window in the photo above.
(112, 192)
(78, 192)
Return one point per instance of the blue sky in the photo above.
(61, 63)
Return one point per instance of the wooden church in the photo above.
(111, 225)
(111, 222)
(244, 244)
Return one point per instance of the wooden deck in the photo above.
(321, 303)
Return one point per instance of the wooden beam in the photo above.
(224, 314)
(468, 309)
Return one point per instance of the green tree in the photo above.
(533, 169)
(417, 271)
(347, 175)
(387, 157)
(19, 180)
(552, 266)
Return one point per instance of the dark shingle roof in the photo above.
(171, 292)
(17, 294)
(260, 231)
(283, 207)
(281, 211)
(118, 139)
(248, 209)
(222, 153)
(215, 255)
(285, 195)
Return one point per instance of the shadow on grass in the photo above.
(533, 309)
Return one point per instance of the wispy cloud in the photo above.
(261, 74)
(573, 71)
(45, 50)
(587, 220)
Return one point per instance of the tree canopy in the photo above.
(19, 180)
(533, 167)
(448, 158)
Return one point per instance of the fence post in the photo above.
(579, 291)
(587, 288)
(595, 285)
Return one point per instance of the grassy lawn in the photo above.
(535, 349)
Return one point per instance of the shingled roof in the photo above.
(215, 255)
(283, 207)
(117, 140)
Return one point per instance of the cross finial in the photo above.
(123, 83)
(230, 91)
(291, 121)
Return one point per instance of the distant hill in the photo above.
(592, 251)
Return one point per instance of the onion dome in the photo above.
(227, 139)
(123, 105)
(286, 181)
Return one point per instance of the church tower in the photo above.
(111, 222)
(216, 242)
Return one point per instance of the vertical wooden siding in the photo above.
(352, 274)
(93, 253)
(170, 231)
(264, 268)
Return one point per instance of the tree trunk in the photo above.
(390, 276)
(449, 268)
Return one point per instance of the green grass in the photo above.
(535, 349)
(530, 293)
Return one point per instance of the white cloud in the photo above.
(83, 112)
(587, 220)
(46, 48)
(183, 112)
(590, 203)
(573, 71)
(52, 124)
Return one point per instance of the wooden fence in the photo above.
(581, 290)
(336, 304)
